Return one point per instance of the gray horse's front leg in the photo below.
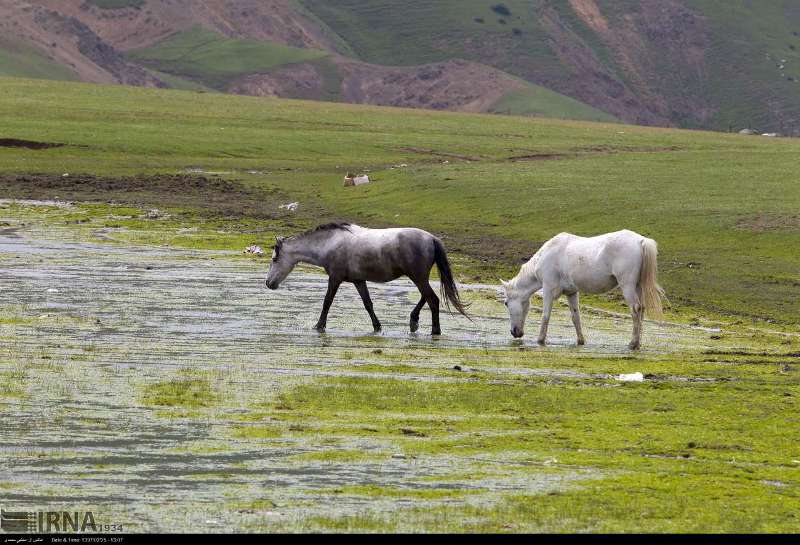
(413, 322)
(361, 286)
(333, 287)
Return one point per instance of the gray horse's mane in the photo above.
(328, 227)
(342, 225)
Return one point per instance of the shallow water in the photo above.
(103, 321)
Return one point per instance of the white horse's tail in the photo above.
(648, 279)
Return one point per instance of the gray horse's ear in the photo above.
(503, 282)
(278, 239)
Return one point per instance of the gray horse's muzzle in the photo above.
(516, 333)
(272, 285)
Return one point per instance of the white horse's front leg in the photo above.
(549, 297)
(575, 311)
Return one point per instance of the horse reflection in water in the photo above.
(350, 253)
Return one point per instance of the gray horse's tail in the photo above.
(449, 288)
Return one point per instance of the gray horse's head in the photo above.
(518, 304)
(281, 265)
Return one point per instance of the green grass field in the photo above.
(519, 438)
(723, 208)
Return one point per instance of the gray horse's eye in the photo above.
(505, 303)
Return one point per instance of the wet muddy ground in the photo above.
(97, 341)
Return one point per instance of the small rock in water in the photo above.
(631, 377)
(457, 367)
(254, 250)
(155, 213)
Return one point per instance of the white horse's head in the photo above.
(518, 304)
(281, 265)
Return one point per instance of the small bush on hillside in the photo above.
(501, 9)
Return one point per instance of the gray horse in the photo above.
(350, 253)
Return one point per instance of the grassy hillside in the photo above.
(740, 83)
(214, 60)
(205, 58)
(416, 32)
(722, 207)
(538, 101)
(18, 59)
(715, 64)
(751, 41)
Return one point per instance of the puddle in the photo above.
(112, 320)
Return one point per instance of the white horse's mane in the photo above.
(526, 271)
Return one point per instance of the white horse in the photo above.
(571, 264)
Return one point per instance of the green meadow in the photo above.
(722, 207)
(388, 433)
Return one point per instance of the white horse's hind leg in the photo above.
(575, 311)
(633, 296)
(549, 296)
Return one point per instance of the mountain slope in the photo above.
(719, 64)
(694, 63)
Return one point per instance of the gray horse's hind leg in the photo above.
(414, 321)
(333, 287)
(433, 303)
(361, 286)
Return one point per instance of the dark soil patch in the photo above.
(541, 156)
(752, 354)
(213, 196)
(28, 144)
(761, 223)
(442, 154)
(590, 150)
